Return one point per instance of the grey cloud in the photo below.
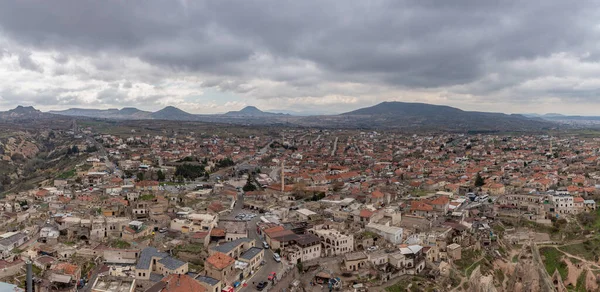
(111, 95)
(26, 62)
(61, 58)
(462, 45)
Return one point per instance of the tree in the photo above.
(160, 175)
(140, 176)
(189, 171)
(479, 180)
(249, 186)
(91, 149)
(226, 162)
(75, 149)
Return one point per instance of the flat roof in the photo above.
(251, 253)
(229, 246)
(306, 212)
(208, 280)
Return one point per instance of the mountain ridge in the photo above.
(385, 115)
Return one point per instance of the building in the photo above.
(378, 258)
(454, 251)
(334, 242)
(221, 267)
(589, 205)
(355, 261)
(409, 260)
(64, 275)
(113, 283)
(147, 185)
(306, 215)
(390, 233)
(307, 247)
(10, 241)
(135, 230)
(211, 284)
(233, 248)
(253, 257)
(152, 261)
(234, 229)
(562, 204)
(194, 222)
(177, 283)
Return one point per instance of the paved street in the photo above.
(271, 265)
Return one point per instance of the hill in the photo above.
(421, 116)
(24, 113)
(173, 114)
(251, 111)
(129, 113)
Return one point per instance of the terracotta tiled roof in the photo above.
(420, 206)
(180, 283)
(219, 260)
(377, 194)
(217, 232)
(364, 213)
(271, 230)
(66, 268)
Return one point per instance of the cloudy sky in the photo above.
(306, 56)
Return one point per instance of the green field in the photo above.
(553, 260)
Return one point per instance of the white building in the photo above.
(333, 242)
(563, 204)
(10, 241)
(392, 234)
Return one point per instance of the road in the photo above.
(334, 146)
(271, 265)
(317, 139)
(103, 153)
(91, 280)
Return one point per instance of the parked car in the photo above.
(276, 257)
(262, 285)
(272, 276)
(265, 245)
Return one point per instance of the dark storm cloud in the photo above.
(404, 44)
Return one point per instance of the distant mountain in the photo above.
(427, 116)
(302, 113)
(174, 114)
(128, 113)
(250, 111)
(552, 115)
(24, 112)
(386, 115)
(404, 108)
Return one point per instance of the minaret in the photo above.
(282, 176)
(551, 153)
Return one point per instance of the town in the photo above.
(308, 210)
